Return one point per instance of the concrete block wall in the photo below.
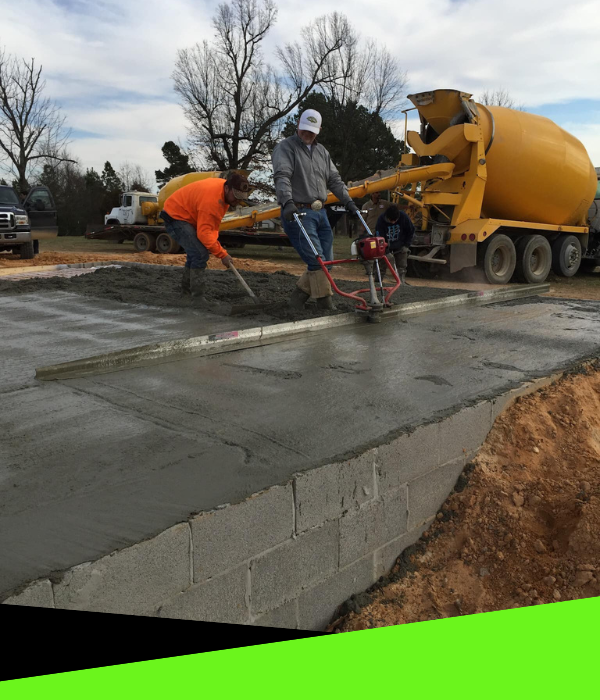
(290, 555)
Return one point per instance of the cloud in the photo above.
(109, 64)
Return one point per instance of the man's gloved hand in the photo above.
(352, 209)
(289, 210)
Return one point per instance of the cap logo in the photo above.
(311, 119)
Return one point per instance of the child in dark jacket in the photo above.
(398, 230)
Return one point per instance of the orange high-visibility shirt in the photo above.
(202, 204)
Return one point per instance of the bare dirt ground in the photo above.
(522, 526)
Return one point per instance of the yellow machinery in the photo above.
(505, 190)
(519, 194)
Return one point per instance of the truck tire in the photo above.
(497, 257)
(144, 242)
(27, 251)
(534, 259)
(566, 255)
(166, 245)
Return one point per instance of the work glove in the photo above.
(352, 209)
(289, 210)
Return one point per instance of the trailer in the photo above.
(155, 239)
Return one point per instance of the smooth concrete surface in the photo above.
(94, 465)
(54, 327)
(146, 355)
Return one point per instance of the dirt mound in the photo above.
(522, 526)
(159, 287)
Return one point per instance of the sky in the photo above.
(109, 65)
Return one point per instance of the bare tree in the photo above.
(500, 98)
(134, 177)
(234, 101)
(31, 126)
(368, 75)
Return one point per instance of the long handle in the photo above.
(363, 222)
(310, 243)
(241, 279)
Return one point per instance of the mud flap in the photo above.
(462, 255)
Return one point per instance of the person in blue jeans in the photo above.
(303, 172)
(192, 216)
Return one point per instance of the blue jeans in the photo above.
(184, 233)
(319, 231)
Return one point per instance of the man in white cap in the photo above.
(303, 174)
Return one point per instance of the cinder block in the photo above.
(427, 493)
(36, 595)
(463, 433)
(225, 538)
(325, 493)
(408, 456)
(281, 574)
(284, 617)
(132, 581)
(317, 606)
(367, 529)
(385, 557)
(221, 599)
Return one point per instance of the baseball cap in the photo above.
(310, 120)
(239, 186)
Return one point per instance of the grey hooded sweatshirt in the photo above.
(304, 175)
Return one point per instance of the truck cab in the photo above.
(41, 210)
(26, 221)
(592, 254)
(15, 228)
(130, 211)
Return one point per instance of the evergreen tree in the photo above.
(113, 187)
(179, 164)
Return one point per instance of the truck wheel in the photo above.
(27, 251)
(534, 259)
(497, 257)
(566, 255)
(165, 244)
(144, 242)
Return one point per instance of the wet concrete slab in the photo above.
(92, 465)
(51, 327)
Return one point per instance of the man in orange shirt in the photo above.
(192, 216)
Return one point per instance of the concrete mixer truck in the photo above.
(516, 196)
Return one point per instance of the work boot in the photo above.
(185, 283)
(197, 286)
(326, 303)
(298, 299)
